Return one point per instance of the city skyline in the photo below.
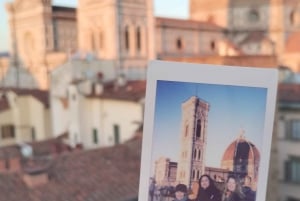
(228, 114)
(179, 9)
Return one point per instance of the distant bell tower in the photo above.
(193, 137)
(117, 30)
(30, 25)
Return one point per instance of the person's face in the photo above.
(179, 195)
(247, 181)
(231, 184)
(204, 182)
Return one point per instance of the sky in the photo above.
(165, 8)
(232, 108)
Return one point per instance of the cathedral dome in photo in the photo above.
(242, 157)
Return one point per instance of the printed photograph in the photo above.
(207, 140)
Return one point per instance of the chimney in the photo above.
(35, 174)
(10, 159)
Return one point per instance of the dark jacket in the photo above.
(184, 199)
(234, 197)
(209, 194)
(249, 193)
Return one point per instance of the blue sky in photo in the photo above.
(165, 8)
(232, 108)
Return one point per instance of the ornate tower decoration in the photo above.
(193, 136)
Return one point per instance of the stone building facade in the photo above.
(44, 36)
(165, 172)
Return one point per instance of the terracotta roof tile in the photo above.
(187, 24)
(41, 95)
(132, 91)
(101, 174)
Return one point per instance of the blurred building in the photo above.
(288, 127)
(24, 116)
(93, 106)
(44, 36)
(165, 172)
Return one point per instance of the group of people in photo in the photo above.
(206, 190)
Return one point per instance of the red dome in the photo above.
(241, 148)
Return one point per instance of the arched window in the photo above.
(101, 40)
(126, 34)
(198, 130)
(193, 175)
(138, 38)
(186, 131)
(212, 45)
(179, 43)
(199, 154)
(292, 17)
(198, 174)
(93, 43)
(195, 153)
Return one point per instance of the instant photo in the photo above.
(206, 123)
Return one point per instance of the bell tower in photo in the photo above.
(193, 135)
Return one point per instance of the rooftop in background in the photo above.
(243, 60)
(182, 23)
(112, 174)
(40, 95)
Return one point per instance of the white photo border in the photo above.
(208, 74)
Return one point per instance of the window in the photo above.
(93, 42)
(193, 176)
(8, 132)
(293, 129)
(292, 17)
(117, 134)
(95, 136)
(186, 130)
(292, 170)
(179, 44)
(199, 154)
(101, 40)
(138, 39)
(195, 153)
(212, 45)
(127, 38)
(198, 130)
(33, 134)
(198, 174)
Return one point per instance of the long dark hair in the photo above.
(210, 190)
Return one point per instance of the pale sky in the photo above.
(232, 108)
(166, 8)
